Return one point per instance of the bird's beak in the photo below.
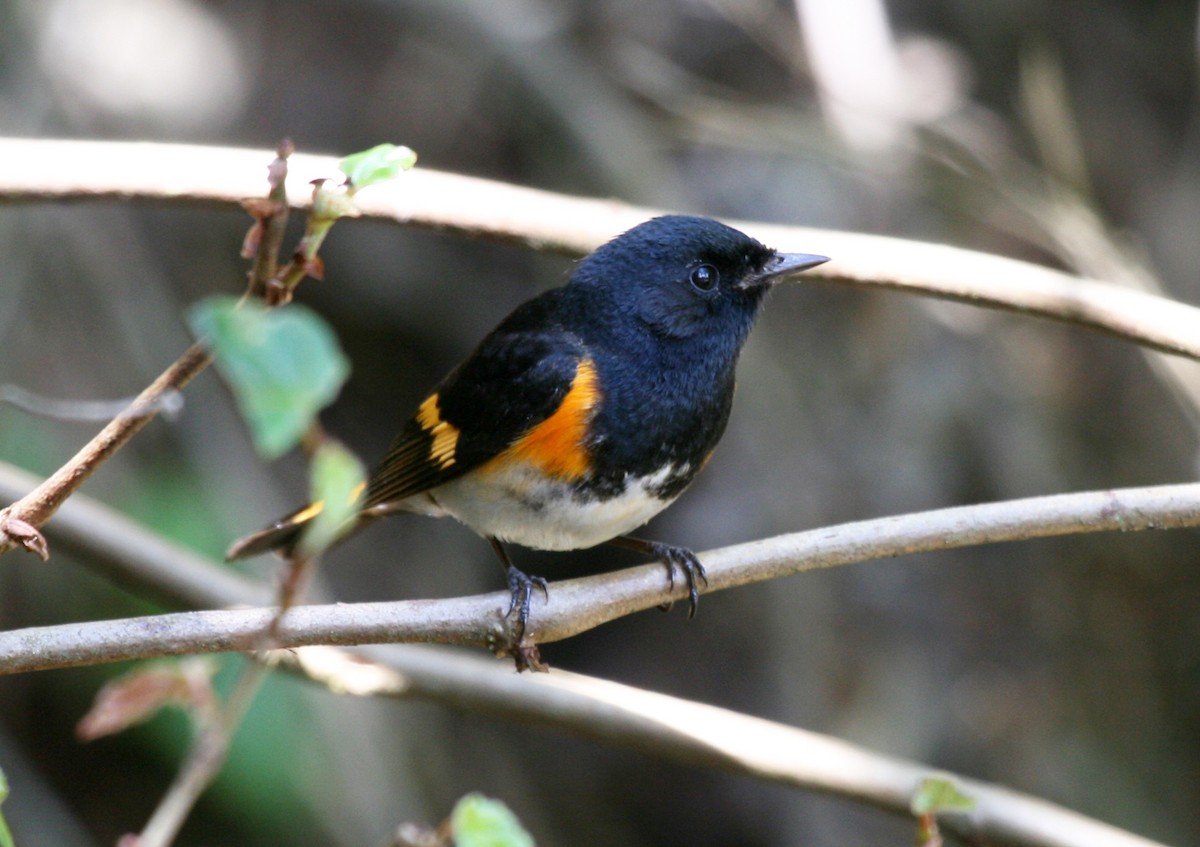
(784, 265)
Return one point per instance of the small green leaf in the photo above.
(379, 164)
(480, 822)
(337, 480)
(936, 795)
(6, 839)
(284, 365)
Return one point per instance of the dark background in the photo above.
(1060, 132)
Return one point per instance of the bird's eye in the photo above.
(705, 277)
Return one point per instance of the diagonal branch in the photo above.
(19, 521)
(707, 736)
(33, 169)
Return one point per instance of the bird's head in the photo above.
(681, 275)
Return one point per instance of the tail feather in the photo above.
(281, 536)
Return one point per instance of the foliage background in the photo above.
(1066, 668)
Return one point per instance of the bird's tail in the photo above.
(281, 536)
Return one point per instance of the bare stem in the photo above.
(204, 761)
(18, 522)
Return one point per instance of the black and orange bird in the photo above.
(589, 409)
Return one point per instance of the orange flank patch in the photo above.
(556, 445)
(445, 435)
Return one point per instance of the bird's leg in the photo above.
(521, 587)
(674, 557)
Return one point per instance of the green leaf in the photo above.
(284, 365)
(936, 795)
(337, 481)
(480, 822)
(6, 839)
(379, 164)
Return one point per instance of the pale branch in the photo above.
(578, 605)
(706, 735)
(608, 712)
(34, 169)
(20, 520)
(129, 554)
(701, 735)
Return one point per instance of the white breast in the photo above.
(520, 505)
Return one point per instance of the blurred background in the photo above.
(1063, 133)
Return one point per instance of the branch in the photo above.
(89, 170)
(204, 761)
(604, 711)
(63, 170)
(128, 553)
(706, 736)
(578, 605)
(699, 734)
(19, 521)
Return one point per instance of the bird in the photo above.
(585, 412)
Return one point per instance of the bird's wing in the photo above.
(521, 394)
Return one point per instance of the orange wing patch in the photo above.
(557, 445)
(316, 507)
(306, 514)
(445, 435)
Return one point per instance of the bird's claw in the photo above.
(521, 587)
(686, 561)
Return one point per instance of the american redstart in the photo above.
(589, 409)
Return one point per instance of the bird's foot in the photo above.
(686, 561)
(675, 558)
(521, 587)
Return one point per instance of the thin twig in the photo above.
(265, 239)
(204, 761)
(91, 170)
(578, 605)
(19, 522)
